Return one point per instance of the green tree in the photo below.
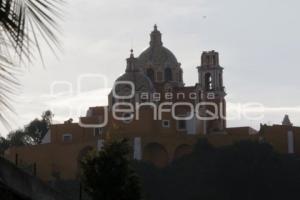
(19, 138)
(38, 128)
(4, 144)
(108, 174)
(31, 134)
(244, 170)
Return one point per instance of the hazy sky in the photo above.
(258, 42)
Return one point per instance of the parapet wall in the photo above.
(24, 184)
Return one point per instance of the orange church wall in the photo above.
(296, 131)
(79, 134)
(277, 136)
(63, 157)
(49, 158)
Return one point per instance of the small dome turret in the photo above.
(133, 74)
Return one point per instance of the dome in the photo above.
(142, 83)
(157, 54)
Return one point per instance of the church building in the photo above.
(151, 106)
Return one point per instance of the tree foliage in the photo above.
(38, 128)
(31, 134)
(245, 170)
(108, 174)
(4, 144)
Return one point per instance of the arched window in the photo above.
(157, 154)
(214, 61)
(207, 60)
(150, 74)
(208, 81)
(168, 74)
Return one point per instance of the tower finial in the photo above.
(131, 53)
(155, 27)
(131, 63)
(286, 121)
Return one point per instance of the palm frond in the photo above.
(23, 20)
(8, 86)
(24, 24)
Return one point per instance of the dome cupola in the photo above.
(159, 63)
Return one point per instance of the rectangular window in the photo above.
(181, 125)
(67, 137)
(166, 123)
(97, 131)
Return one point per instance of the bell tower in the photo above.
(212, 92)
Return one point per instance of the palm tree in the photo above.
(24, 24)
